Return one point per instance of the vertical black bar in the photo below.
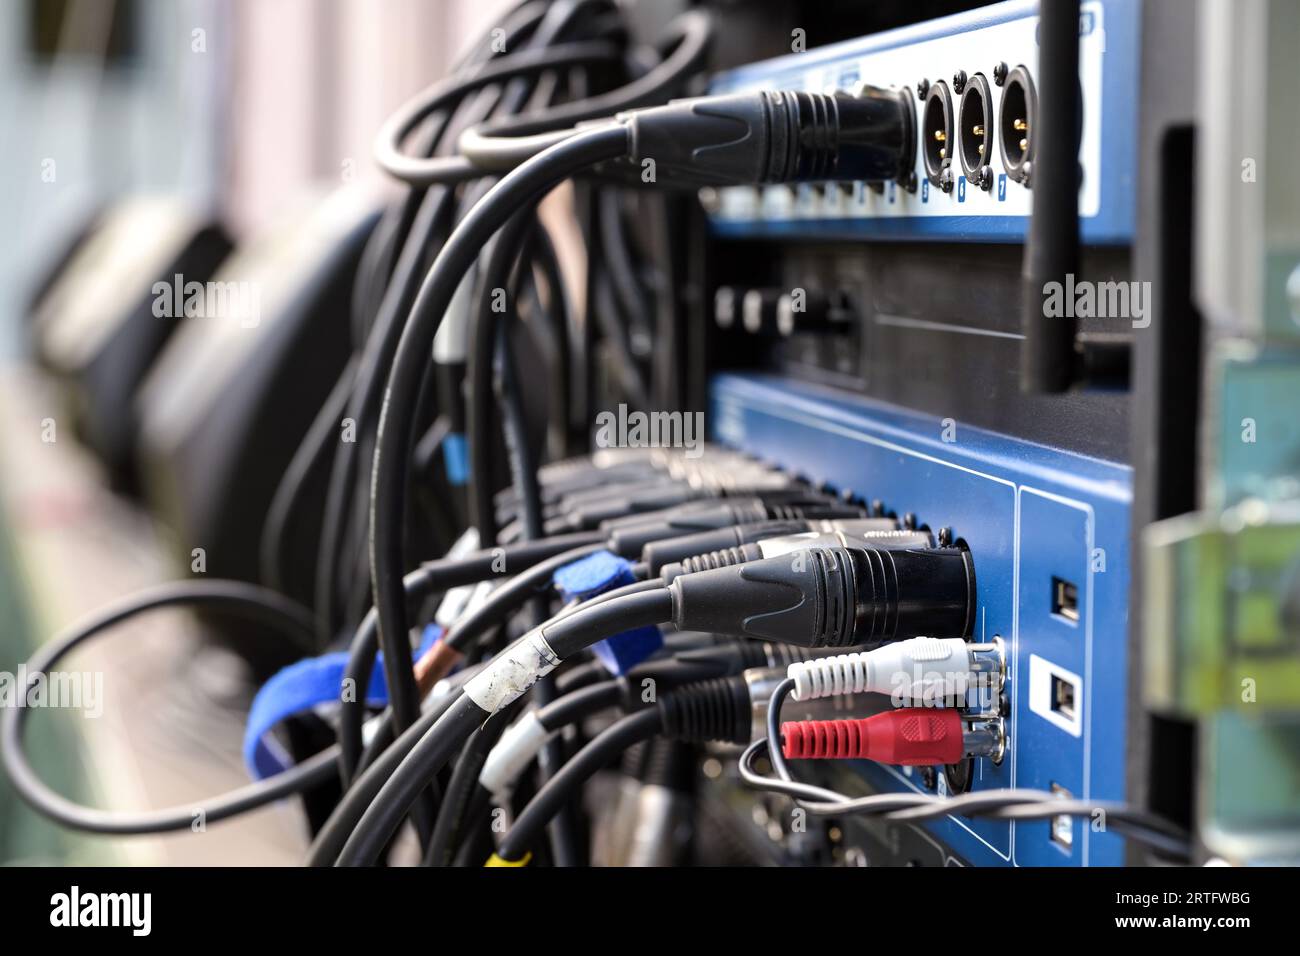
(1052, 252)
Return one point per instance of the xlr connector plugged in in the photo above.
(1016, 119)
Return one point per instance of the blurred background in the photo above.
(194, 255)
(148, 137)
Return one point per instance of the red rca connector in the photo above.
(909, 736)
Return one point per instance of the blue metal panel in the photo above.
(1030, 514)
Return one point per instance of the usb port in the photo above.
(1056, 694)
(1065, 600)
(1063, 824)
(1063, 697)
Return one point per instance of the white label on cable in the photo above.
(508, 676)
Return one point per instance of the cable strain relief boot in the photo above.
(710, 710)
(921, 669)
(832, 596)
(774, 136)
(806, 598)
(711, 560)
(783, 513)
(911, 736)
(814, 512)
(659, 554)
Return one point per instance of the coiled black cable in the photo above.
(429, 172)
(505, 143)
(237, 597)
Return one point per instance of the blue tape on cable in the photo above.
(455, 458)
(299, 688)
(595, 574)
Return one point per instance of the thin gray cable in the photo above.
(1003, 803)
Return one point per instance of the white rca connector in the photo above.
(924, 669)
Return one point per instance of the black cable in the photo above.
(563, 21)
(424, 215)
(557, 23)
(506, 143)
(428, 172)
(433, 220)
(576, 705)
(580, 704)
(644, 604)
(602, 749)
(497, 265)
(523, 463)
(506, 600)
(712, 709)
(617, 255)
(425, 760)
(567, 634)
(668, 354)
(329, 841)
(361, 661)
(306, 459)
(443, 575)
(249, 600)
(401, 682)
(479, 840)
(577, 678)
(494, 275)
(631, 378)
(523, 469)
(559, 313)
(392, 449)
(454, 810)
(427, 228)
(377, 257)
(511, 596)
